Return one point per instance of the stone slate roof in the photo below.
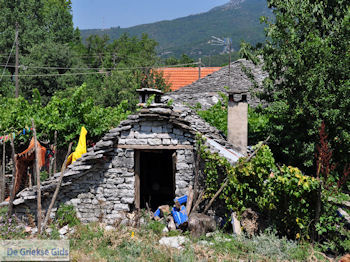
(178, 115)
(206, 90)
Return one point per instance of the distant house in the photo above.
(206, 90)
(178, 77)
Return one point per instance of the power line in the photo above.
(8, 59)
(104, 72)
(97, 68)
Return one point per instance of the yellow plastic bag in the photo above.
(81, 148)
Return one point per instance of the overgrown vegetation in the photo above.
(306, 56)
(283, 195)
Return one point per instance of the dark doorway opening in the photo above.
(157, 180)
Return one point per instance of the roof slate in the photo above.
(206, 90)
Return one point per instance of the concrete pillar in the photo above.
(237, 121)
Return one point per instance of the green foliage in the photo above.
(332, 232)
(258, 119)
(44, 175)
(217, 114)
(65, 114)
(132, 59)
(307, 59)
(184, 59)
(49, 58)
(285, 194)
(66, 215)
(156, 226)
(10, 228)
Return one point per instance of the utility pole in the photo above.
(199, 68)
(17, 61)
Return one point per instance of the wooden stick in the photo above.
(226, 179)
(189, 200)
(4, 158)
(55, 154)
(2, 179)
(30, 177)
(14, 179)
(37, 172)
(59, 182)
(198, 201)
(216, 195)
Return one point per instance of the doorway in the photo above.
(155, 177)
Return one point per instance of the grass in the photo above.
(91, 242)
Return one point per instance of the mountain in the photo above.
(238, 19)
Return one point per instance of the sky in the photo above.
(91, 14)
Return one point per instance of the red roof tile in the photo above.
(179, 77)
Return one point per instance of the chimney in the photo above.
(146, 93)
(237, 121)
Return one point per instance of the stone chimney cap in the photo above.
(237, 96)
(146, 93)
(149, 90)
(237, 92)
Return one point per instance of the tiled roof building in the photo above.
(179, 77)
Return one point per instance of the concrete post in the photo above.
(237, 121)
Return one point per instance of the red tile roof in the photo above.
(179, 77)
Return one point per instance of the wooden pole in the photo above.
(37, 172)
(55, 154)
(14, 179)
(17, 61)
(30, 178)
(4, 158)
(2, 180)
(53, 200)
(189, 200)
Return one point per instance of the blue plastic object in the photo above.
(182, 199)
(157, 213)
(180, 216)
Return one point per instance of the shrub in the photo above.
(284, 195)
(66, 215)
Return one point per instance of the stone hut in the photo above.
(148, 158)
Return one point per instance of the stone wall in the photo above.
(100, 185)
(106, 190)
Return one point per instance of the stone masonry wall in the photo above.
(100, 185)
(106, 190)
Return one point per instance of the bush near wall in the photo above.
(283, 194)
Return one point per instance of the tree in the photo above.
(55, 60)
(128, 63)
(184, 60)
(307, 57)
(39, 22)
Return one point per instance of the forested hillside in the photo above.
(190, 35)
